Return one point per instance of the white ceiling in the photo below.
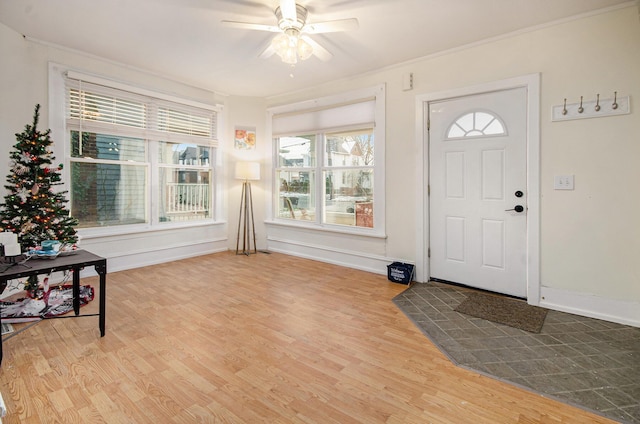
(183, 39)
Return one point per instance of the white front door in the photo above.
(478, 181)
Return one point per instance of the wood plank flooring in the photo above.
(268, 338)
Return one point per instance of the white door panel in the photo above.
(477, 151)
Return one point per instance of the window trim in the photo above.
(57, 75)
(377, 94)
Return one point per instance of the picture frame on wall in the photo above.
(245, 138)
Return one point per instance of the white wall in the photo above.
(24, 82)
(247, 112)
(590, 240)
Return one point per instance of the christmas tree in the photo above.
(32, 209)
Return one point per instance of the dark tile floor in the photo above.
(582, 361)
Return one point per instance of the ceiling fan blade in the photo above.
(248, 25)
(319, 51)
(268, 51)
(331, 26)
(288, 10)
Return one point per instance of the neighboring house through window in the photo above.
(136, 158)
(328, 161)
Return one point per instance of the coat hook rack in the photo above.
(580, 109)
(597, 108)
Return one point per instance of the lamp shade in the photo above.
(247, 170)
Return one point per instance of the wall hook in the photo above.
(598, 107)
(580, 109)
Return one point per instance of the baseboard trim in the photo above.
(622, 312)
(351, 259)
(140, 258)
(122, 263)
(125, 260)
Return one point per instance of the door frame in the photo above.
(532, 83)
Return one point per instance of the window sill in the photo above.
(94, 233)
(326, 228)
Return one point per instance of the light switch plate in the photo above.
(563, 182)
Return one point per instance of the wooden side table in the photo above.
(74, 262)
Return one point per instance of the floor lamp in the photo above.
(246, 171)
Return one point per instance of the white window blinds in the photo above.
(361, 113)
(95, 107)
(185, 122)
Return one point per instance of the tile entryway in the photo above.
(582, 361)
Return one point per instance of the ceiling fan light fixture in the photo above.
(290, 57)
(280, 44)
(293, 42)
(305, 50)
(290, 47)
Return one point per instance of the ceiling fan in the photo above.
(293, 41)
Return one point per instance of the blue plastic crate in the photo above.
(399, 272)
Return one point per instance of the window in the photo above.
(348, 176)
(476, 124)
(108, 179)
(184, 182)
(137, 159)
(296, 174)
(328, 160)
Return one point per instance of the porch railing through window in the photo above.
(186, 201)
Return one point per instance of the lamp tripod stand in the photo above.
(246, 171)
(246, 219)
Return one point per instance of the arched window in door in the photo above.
(476, 124)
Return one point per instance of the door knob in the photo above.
(517, 208)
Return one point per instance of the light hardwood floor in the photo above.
(261, 339)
